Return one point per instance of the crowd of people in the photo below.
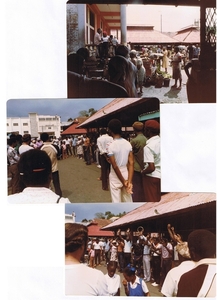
(132, 69)
(175, 267)
(129, 165)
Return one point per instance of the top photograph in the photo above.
(163, 49)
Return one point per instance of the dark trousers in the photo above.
(56, 183)
(151, 188)
(156, 266)
(97, 256)
(166, 265)
(15, 179)
(105, 169)
(121, 260)
(127, 259)
(138, 194)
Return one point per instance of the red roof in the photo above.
(147, 35)
(96, 225)
(74, 130)
(190, 36)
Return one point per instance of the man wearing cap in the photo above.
(151, 171)
(138, 143)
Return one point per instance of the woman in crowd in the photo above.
(79, 278)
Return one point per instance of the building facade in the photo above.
(35, 124)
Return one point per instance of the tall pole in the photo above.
(123, 24)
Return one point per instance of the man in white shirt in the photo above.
(103, 142)
(121, 159)
(26, 140)
(98, 41)
(152, 163)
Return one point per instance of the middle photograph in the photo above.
(115, 153)
(108, 149)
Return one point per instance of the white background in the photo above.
(33, 56)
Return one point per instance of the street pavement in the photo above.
(168, 94)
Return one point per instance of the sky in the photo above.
(65, 108)
(165, 17)
(88, 210)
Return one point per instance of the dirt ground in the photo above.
(79, 182)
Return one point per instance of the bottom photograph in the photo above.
(156, 249)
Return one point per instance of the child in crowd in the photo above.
(91, 256)
(133, 285)
(113, 280)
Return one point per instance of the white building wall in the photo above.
(35, 125)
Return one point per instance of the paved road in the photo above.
(79, 181)
(168, 94)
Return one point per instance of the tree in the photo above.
(99, 215)
(87, 113)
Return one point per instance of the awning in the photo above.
(127, 110)
(149, 116)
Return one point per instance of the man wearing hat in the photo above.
(151, 155)
(138, 143)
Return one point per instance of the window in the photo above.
(25, 124)
(15, 124)
(90, 22)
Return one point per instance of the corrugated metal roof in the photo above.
(119, 104)
(170, 203)
(190, 36)
(73, 129)
(148, 36)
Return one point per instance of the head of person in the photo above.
(103, 131)
(83, 52)
(76, 239)
(35, 168)
(138, 126)
(115, 126)
(202, 244)
(129, 273)
(152, 128)
(44, 137)
(26, 138)
(111, 268)
(122, 50)
(75, 63)
(176, 49)
(155, 240)
(99, 30)
(104, 34)
(12, 142)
